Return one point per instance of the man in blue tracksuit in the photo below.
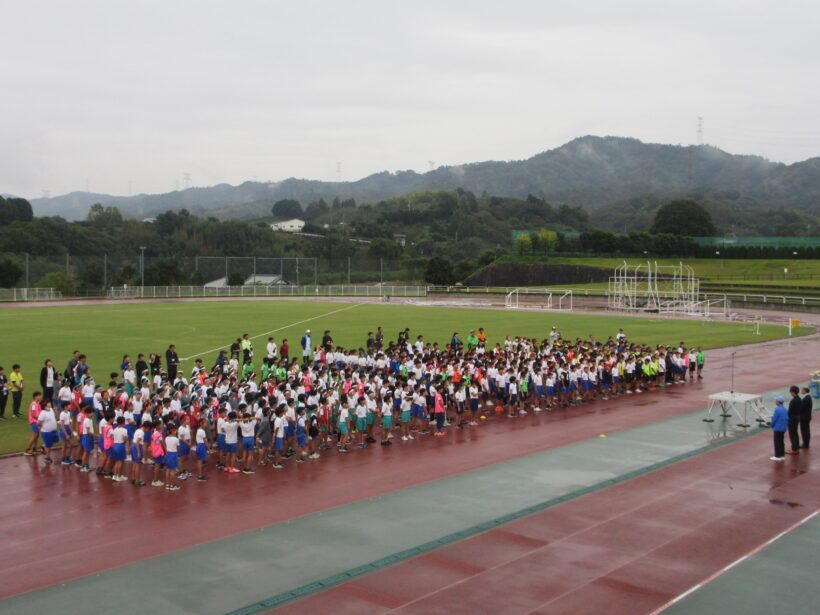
(780, 424)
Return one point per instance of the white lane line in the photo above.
(293, 324)
(726, 569)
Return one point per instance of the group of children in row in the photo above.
(336, 398)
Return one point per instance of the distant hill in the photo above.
(590, 171)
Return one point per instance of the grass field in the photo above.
(728, 269)
(105, 332)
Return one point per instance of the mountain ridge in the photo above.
(590, 171)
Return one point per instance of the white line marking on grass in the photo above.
(726, 569)
(293, 324)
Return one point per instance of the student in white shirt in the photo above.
(47, 423)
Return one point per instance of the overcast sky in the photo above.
(107, 94)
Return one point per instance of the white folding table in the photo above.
(741, 404)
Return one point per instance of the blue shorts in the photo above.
(35, 428)
(87, 442)
(279, 444)
(160, 461)
(248, 443)
(289, 430)
(171, 461)
(101, 444)
(135, 454)
(201, 452)
(585, 385)
(514, 399)
(230, 448)
(617, 379)
(49, 438)
(67, 435)
(473, 405)
(416, 411)
(301, 439)
(130, 429)
(264, 442)
(118, 452)
(184, 449)
(220, 443)
(573, 386)
(539, 390)
(550, 391)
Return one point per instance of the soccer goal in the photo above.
(559, 299)
(752, 324)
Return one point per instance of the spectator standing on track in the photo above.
(4, 393)
(795, 405)
(805, 417)
(780, 423)
(172, 361)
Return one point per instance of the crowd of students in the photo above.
(152, 423)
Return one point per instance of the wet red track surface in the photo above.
(627, 549)
(65, 524)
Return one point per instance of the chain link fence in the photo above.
(94, 275)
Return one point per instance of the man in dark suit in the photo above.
(795, 407)
(172, 361)
(805, 417)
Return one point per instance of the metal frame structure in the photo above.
(665, 289)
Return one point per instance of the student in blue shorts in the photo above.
(201, 449)
(171, 458)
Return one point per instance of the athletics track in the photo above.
(535, 514)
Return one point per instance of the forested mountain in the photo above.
(593, 172)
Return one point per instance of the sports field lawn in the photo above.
(105, 332)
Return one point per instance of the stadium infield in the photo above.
(105, 331)
(537, 514)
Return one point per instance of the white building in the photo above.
(288, 226)
(258, 279)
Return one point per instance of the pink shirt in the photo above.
(439, 404)
(33, 412)
(108, 438)
(156, 444)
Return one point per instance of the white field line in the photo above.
(293, 324)
(726, 569)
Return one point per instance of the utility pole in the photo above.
(142, 269)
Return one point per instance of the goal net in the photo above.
(539, 299)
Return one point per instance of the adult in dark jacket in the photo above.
(172, 362)
(805, 417)
(795, 406)
(48, 380)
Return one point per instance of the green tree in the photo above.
(548, 240)
(236, 279)
(523, 244)
(14, 209)
(439, 271)
(684, 218)
(104, 216)
(384, 248)
(316, 210)
(287, 208)
(58, 280)
(10, 273)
